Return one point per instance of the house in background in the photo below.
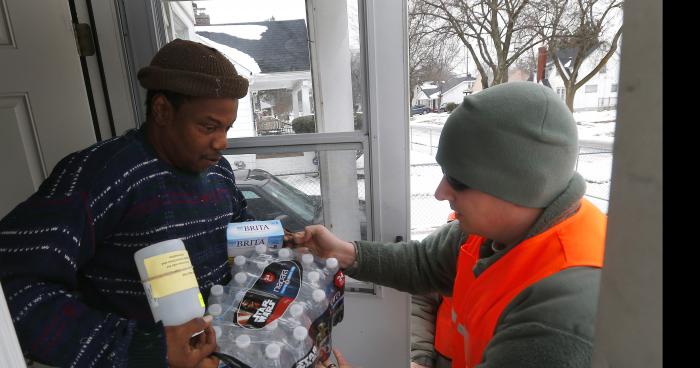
(515, 74)
(435, 95)
(280, 84)
(599, 93)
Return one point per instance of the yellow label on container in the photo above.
(170, 273)
(201, 300)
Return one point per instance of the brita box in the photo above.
(242, 237)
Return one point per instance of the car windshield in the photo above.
(299, 202)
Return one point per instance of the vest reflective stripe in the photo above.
(443, 327)
(478, 302)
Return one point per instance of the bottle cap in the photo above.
(307, 259)
(318, 295)
(239, 260)
(262, 264)
(313, 276)
(214, 310)
(272, 351)
(332, 263)
(261, 248)
(285, 253)
(217, 331)
(242, 341)
(217, 290)
(240, 277)
(296, 310)
(300, 333)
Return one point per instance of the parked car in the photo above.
(420, 109)
(270, 198)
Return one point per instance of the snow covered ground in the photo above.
(596, 134)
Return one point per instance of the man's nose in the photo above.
(443, 191)
(220, 142)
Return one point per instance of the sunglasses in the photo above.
(456, 184)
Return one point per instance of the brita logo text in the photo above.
(263, 313)
(249, 242)
(255, 227)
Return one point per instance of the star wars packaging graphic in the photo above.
(270, 296)
(278, 310)
(242, 237)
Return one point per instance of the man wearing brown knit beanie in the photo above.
(78, 299)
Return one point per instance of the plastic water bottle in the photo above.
(297, 316)
(307, 261)
(301, 344)
(331, 265)
(313, 278)
(285, 254)
(272, 356)
(240, 279)
(239, 263)
(320, 304)
(216, 294)
(215, 310)
(244, 349)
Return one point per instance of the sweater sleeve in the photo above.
(423, 314)
(44, 242)
(549, 324)
(414, 267)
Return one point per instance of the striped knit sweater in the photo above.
(66, 253)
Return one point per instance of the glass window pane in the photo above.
(269, 43)
(288, 186)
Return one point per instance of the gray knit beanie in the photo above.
(516, 141)
(192, 69)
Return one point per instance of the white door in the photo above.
(44, 112)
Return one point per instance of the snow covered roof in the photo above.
(236, 56)
(281, 47)
(433, 91)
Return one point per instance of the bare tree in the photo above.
(589, 28)
(431, 55)
(495, 32)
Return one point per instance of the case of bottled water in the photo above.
(278, 310)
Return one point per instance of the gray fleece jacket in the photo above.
(549, 324)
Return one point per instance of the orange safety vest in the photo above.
(443, 319)
(443, 327)
(478, 302)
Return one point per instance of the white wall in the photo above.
(455, 94)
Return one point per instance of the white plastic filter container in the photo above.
(170, 283)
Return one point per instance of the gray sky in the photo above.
(237, 11)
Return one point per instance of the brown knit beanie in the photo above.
(193, 69)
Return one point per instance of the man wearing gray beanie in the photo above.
(67, 252)
(521, 262)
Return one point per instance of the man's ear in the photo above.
(162, 110)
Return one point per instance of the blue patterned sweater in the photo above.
(66, 253)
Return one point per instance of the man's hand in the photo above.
(321, 242)
(342, 362)
(187, 351)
